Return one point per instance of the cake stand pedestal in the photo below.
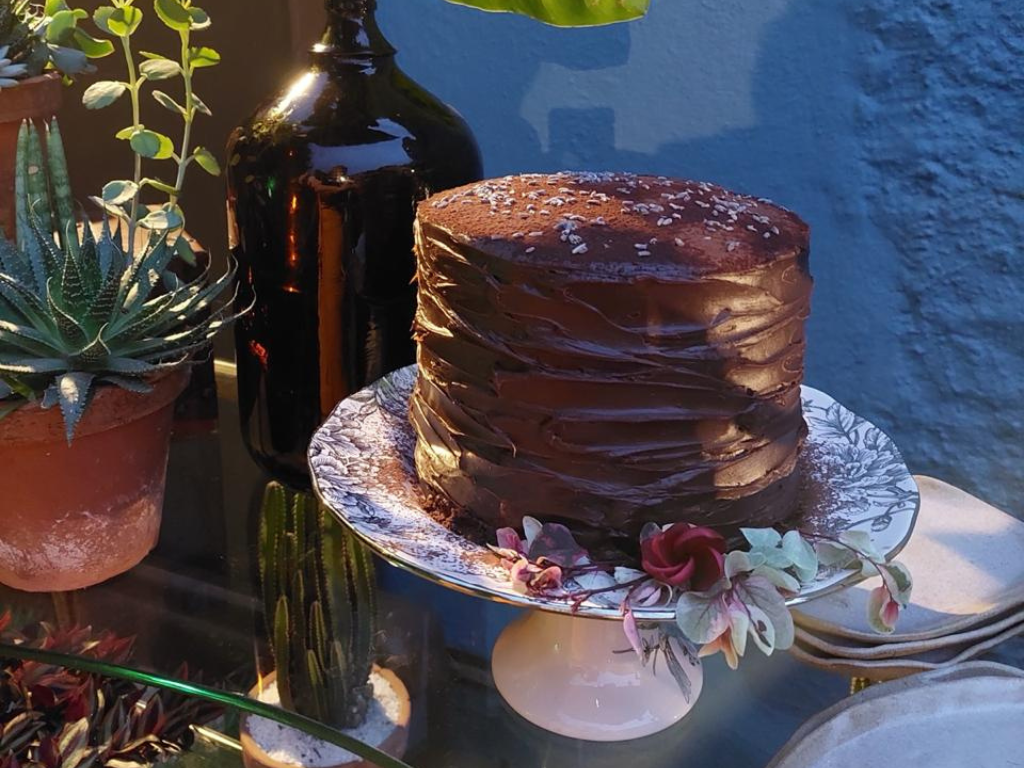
(579, 678)
(568, 668)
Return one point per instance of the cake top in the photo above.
(616, 219)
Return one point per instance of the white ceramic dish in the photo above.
(361, 461)
(833, 645)
(967, 559)
(969, 715)
(892, 669)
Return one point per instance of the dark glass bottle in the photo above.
(322, 187)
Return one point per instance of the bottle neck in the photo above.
(352, 32)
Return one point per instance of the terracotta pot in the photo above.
(36, 99)
(73, 516)
(254, 756)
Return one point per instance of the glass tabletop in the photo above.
(196, 599)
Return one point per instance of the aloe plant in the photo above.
(76, 310)
(319, 607)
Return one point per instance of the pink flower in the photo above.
(532, 578)
(508, 538)
(723, 643)
(883, 609)
(685, 555)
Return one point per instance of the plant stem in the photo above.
(134, 87)
(190, 111)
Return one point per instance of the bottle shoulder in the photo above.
(324, 120)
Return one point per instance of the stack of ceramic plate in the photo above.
(967, 560)
(969, 714)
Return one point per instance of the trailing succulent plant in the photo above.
(78, 310)
(34, 37)
(54, 717)
(319, 607)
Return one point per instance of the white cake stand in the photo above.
(561, 666)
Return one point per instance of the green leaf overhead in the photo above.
(566, 13)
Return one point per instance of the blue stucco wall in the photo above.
(895, 128)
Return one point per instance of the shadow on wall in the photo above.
(892, 128)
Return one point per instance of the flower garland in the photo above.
(722, 596)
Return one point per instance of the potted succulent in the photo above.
(319, 604)
(39, 46)
(53, 717)
(96, 336)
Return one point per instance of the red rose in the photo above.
(685, 554)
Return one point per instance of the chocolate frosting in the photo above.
(607, 350)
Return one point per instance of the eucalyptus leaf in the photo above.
(160, 69)
(152, 144)
(566, 13)
(207, 161)
(203, 57)
(103, 94)
(168, 103)
(119, 192)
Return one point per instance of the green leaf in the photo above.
(835, 556)
(103, 94)
(91, 46)
(203, 57)
(702, 616)
(200, 19)
(61, 24)
(779, 579)
(862, 542)
(162, 219)
(152, 145)
(119, 22)
(74, 392)
(737, 562)
(801, 555)
(200, 106)
(168, 103)
(762, 538)
(207, 161)
(125, 133)
(898, 581)
(160, 69)
(69, 61)
(566, 13)
(157, 184)
(184, 250)
(173, 14)
(761, 594)
(119, 192)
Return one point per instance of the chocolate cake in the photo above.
(606, 350)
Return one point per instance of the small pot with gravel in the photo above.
(319, 604)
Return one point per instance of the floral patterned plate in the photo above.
(361, 461)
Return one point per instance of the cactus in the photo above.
(319, 607)
(77, 311)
